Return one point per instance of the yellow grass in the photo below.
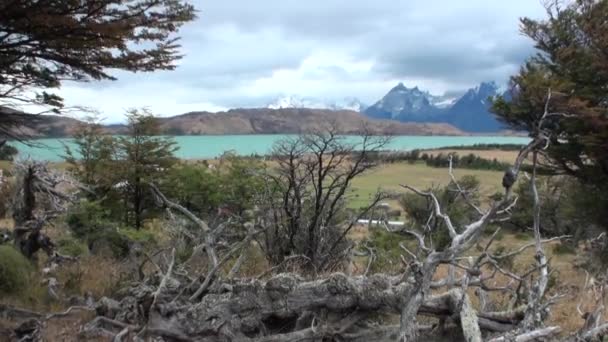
(388, 177)
(500, 155)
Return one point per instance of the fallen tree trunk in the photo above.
(265, 310)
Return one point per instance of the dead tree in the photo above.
(175, 305)
(36, 201)
(304, 205)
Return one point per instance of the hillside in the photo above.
(248, 121)
(293, 120)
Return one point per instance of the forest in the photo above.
(123, 241)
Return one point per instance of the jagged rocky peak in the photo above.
(403, 103)
(482, 92)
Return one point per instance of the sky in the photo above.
(243, 53)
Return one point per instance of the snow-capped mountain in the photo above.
(294, 101)
(469, 112)
(405, 104)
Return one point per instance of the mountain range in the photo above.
(245, 121)
(468, 112)
(296, 101)
(403, 110)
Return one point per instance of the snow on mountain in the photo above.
(404, 104)
(295, 101)
(469, 112)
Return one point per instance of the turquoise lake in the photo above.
(211, 146)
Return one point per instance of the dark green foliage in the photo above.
(93, 156)
(470, 161)
(8, 152)
(387, 250)
(241, 180)
(194, 186)
(15, 270)
(109, 243)
(572, 44)
(485, 147)
(88, 218)
(563, 248)
(142, 156)
(230, 186)
(46, 43)
(567, 208)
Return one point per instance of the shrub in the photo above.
(71, 247)
(110, 243)
(8, 152)
(563, 248)
(15, 270)
(387, 249)
(142, 236)
(87, 218)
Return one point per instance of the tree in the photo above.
(143, 156)
(572, 61)
(305, 203)
(93, 155)
(44, 43)
(8, 152)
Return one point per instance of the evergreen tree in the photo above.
(144, 156)
(93, 156)
(44, 43)
(572, 61)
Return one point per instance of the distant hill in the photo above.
(249, 121)
(470, 112)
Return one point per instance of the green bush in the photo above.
(15, 270)
(87, 218)
(418, 209)
(72, 247)
(142, 236)
(563, 248)
(387, 249)
(8, 152)
(109, 242)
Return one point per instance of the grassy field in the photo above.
(388, 177)
(500, 155)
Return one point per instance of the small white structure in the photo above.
(379, 222)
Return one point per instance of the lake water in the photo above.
(211, 146)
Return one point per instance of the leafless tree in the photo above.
(305, 203)
(205, 306)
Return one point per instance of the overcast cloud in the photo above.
(243, 53)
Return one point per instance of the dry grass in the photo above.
(388, 177)
(500, 155)
(569, 281)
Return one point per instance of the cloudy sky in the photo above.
(243, 53)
